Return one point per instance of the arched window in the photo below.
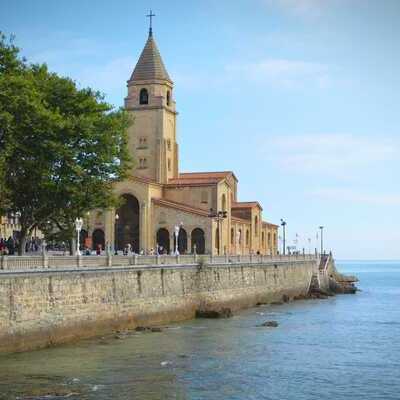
(256, 225)
(247, 237)
(269, 240)
(262, 239)
(98, 238)
(240, 236)
(128, 223)
(217, 239)
(223, 202)
(144, 96)
(163, 241)
(198, 241)
(232, 236)
(168, 97)
(142, 163)
(169, 164)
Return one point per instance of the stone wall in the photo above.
(42, 308)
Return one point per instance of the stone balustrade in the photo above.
(45, 261)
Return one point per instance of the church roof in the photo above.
(269, 224)
(150, 66)
(190, 178)
(246, 204)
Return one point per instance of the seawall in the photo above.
(46, 307)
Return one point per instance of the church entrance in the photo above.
(163, 241)
(198, 240)
(127, 223)
(98, 239)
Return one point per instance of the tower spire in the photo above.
(151, 15)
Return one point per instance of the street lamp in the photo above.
(238, 241)
(116, 235)
(218, 216)
(283, 224)
(177, 228)
(322, 238)
(78, 227)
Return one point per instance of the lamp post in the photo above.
(177, 228)
(78, 227)
(322, 238)
(116, 235)
(283, 224)
(218, 216)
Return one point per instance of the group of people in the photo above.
(33, 245)
(129, 250)
(9, 246)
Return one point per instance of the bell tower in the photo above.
(152, 136)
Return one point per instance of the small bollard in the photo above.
(45, 260)
(3, 261)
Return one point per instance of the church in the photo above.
(161, 203)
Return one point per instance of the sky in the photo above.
(300, 98)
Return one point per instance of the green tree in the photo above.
(65, 146)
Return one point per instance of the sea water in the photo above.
(345, 347)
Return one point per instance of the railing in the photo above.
(45, 261)
(324, 262)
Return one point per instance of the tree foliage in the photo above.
(62, 147)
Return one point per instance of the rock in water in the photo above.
(270, 324)
(142, 328)
(285, 298)
(222, 313)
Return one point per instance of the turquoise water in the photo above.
(347, 347)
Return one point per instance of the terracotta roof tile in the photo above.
(201, 177)
(246, 204)
(150, 66)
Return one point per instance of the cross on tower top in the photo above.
(151, 15)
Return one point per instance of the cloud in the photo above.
(290, 74)
(350, 195)
(333, 154)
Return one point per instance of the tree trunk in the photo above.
(22, 242)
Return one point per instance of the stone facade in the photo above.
(158, 197)
(44, 308)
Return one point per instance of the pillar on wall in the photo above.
(189, 240)
(171, 240)
(143, 222)
(109, 227)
